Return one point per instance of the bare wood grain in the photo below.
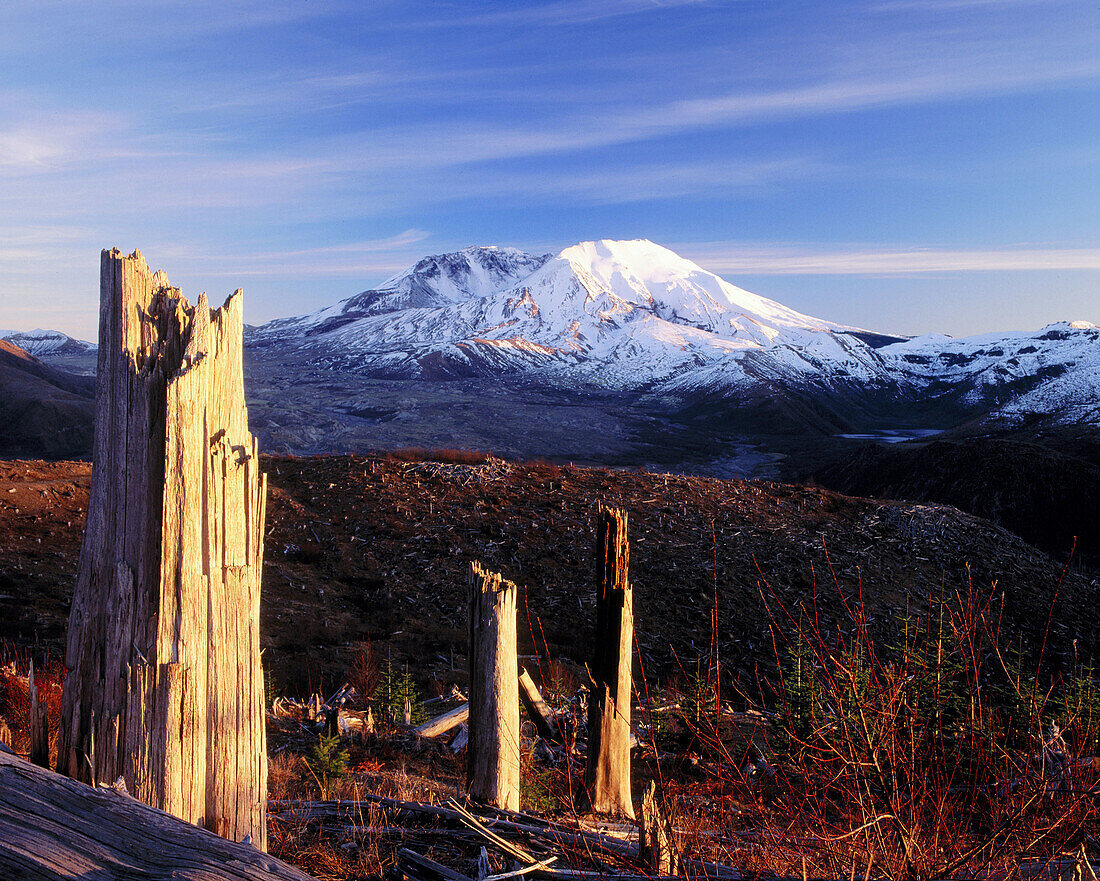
(164, 685)
(492, 754)
(607, 772)
(52, 827)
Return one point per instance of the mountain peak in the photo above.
(40, 341)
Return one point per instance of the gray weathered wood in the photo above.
(607, 772)
(39, 724)
(525, 824)
(445, 722)
(537, 708)
(164, 686)
(492, 754)
(52, 828)
(655, 836)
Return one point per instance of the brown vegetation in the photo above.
(846, 633)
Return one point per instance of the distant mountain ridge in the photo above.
(43, 411)
(46, 343)
(634, 316)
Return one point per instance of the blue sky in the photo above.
(903, 165)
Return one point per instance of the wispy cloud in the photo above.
(33, 139)
(434, 144)
(767, 259)
(351, 260)
(559, 12)
(952, 6)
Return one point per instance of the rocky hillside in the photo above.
(1045, 489)
(371, 548)
(43, 411)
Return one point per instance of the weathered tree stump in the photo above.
(164, 686)
(492, 754)
(39, 724)
(655, 837)
(607, 773)
(52, 828)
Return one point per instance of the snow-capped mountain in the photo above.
(45, 343)
(636, 317)
(1014, 375)
(614, 314)
(440, 280)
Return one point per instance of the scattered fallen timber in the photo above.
(52, 827)
(423, 868)
(534, 830)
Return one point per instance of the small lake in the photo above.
(894, 435)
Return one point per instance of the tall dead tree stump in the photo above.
(656, 839)
(492, 753)
(39, 725)
(607, 774)
(164, 686)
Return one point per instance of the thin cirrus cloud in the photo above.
(561, 12)
(435, 145)
(771, 259)
(352, 259)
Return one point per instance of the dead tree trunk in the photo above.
(39, 724)
(164, 686)
(607, 775)
(492, 755)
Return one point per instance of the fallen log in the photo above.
(52, 827)
(423, 863)
(443, 723)
(537, 708)
(499, 820)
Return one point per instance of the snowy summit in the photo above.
(632, 315)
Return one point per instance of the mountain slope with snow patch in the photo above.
(636, 317)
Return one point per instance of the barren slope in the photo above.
(369, 548)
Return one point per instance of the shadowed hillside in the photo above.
(1048, 492)
(374, 548)
(43, 411)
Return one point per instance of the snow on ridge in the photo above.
(633, 314)
(645, 274)
(40, 342)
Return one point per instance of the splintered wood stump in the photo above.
(655, 836)
(163, 685)
(39, 725)
(607, 773)
(492, 754)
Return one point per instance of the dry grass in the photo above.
(15, 702)
(446, 455)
